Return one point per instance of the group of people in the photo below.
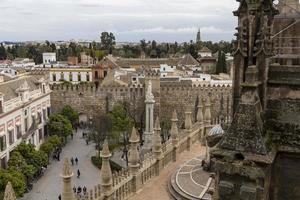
(79, 190)
(56, 153)
(75, 161)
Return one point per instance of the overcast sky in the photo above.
(129, 20)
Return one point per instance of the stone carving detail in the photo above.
(149, 94)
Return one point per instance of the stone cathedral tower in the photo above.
(241, 161)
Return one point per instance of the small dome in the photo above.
(216, 130)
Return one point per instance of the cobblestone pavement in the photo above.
(157, 188)
(49, 186)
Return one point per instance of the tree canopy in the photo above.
(59, 125)
(71, 114)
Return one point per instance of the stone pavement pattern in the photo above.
(157, 188)
(49, 186)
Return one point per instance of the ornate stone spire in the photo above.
(149, 94)
(67, 193)
(157, 138)
(200, 111)
(134, 157)
(174, 129)
(207, 113)
(9, 193)
(106, 174)
(188, 120)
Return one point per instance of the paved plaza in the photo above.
(49, 186)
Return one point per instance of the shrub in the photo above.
(97, 161)
(16, 178)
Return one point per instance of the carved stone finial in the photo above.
(105, 150)
(134, 157)
(200, 111)
(134, 137)
(157, 124)
(157, 138)
(9, 193)
(207, 113)
(188, 120)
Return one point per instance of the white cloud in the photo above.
(63, 19)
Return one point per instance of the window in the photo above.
(44, 114)
(87, 77)
(11, 136)
(19, 131)
(48, 111)
(54, 77)
(26, 124)
(79, 77)
(39, 118)
(1, 108)
(3, 143)
(70, 77)
(40, 134)
(62, 78)
(44, 89)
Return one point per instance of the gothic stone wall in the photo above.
(92, 101)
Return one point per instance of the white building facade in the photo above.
(73, 75)
(49, 58)
(24, 110)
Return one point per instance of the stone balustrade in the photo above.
(127, 182)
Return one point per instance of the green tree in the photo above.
(102, 127)
(108, 41)
(121, 122)
(71, 114)
(54, 140)
(3, 53)
(16, 178)
(37, 159)
(47, 147)
(18, 163)
(98, 55)
(59, 125)
(221, 64)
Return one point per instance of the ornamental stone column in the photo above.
(149, 118)
(133, 161)
(157, 146)
(67, 193)
(174, 135)
(188, 120)
(207, 116)
(200, 118)
(188, 128)
(106, 174)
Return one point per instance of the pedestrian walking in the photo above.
(72, 161)
(74, 189)
(87, 141)
(72, 136)
(78, 190)
(84, 190)
(78, 173)
(76, 160)
(59, 197)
